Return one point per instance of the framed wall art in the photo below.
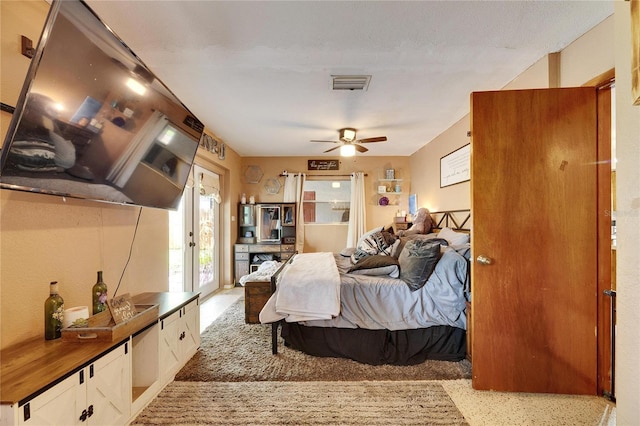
(455, 167)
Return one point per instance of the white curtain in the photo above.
(210, 185)
(357, 213)
(290, 184)
(293, 193)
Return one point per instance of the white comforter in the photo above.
(300, 296)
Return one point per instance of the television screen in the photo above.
(94, 122)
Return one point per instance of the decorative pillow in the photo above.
(374, 261)
(347, 251)
(454, 238)
(403, 240)
(417, 261)
(368, 233)
(463, 250)
(376, 243)
(392, 270)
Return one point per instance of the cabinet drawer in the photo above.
(242, 248)
(289, 248)
(242, 256)
(264, 248)
(285, 256)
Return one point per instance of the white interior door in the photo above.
(194, 236)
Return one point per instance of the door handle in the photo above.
(484, 260)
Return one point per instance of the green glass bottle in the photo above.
(99, 293)
(53, 313)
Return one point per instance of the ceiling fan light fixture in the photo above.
(347, 150)
(347, 134)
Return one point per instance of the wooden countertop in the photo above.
(32, 365)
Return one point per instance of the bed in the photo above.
(371, 314)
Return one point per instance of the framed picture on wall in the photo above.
(635, 51)
(455, 167)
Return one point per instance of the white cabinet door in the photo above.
(190, 331)
(109, 388)
(60, 405)
(179, 339)
(169, 346)
(99, 394)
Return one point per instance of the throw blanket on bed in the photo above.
(308, 289)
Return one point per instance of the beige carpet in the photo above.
(302, 403)
(233, 351)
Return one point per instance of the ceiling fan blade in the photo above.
(324, 141)
(360, 148)
(331, 149)
(369, 140)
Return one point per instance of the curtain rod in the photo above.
(299, 173)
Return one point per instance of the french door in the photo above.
(194, 236)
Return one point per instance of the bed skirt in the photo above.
(377, 347)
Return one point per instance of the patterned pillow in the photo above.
(380, 242)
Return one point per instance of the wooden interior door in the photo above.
(534, 206)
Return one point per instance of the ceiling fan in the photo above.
(348, 143)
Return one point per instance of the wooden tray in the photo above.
(102, 327)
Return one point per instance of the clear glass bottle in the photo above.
(99, 295)
(53, 313)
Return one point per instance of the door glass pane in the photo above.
(206, 239)
(207, 218)
(193, 236)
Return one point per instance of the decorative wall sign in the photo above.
(122, 308)
(209, 143)
(323, 164)
(222, 151)
(456, 167)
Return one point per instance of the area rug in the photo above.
(233, 351)
(302, 403)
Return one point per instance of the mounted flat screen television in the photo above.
(93, 122)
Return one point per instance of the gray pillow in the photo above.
(376, 264)
(417, 261)
(391, 270)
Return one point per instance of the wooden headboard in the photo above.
(458, 220)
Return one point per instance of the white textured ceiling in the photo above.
(258, 73)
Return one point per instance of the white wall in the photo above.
(628, 222)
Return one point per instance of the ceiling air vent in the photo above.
(350, 82)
